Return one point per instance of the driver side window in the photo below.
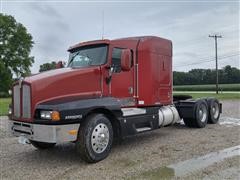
(116, 60)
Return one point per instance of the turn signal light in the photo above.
(55, 116)
(72, 132)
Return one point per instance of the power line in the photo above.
(200, 38)
(223, 58)
(208, 60)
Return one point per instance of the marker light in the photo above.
(55, 116)
(73, 132)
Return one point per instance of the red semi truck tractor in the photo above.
(111, 89)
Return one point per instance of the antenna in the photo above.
(102, 24)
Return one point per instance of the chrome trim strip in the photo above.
(133, 111)
(26, 102)
(16, 101)
(137, 81)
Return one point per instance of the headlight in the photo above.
(45, 114)
(53, 115)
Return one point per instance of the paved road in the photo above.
(145, 156)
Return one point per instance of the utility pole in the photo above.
(216, 57)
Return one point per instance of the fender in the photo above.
(74, 111)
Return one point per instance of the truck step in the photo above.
(143, 129)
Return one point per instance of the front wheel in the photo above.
(95, 138)
(42, 145)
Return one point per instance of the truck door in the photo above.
(122, 85)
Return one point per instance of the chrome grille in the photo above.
(16, 101)
(26, 105)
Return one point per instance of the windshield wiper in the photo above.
(73, 57)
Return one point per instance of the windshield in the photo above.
(88, 56)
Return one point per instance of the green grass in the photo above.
(4, 105)
(221, 96)
(155, 174)
(208, 87)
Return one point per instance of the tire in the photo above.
(213, 110)
(200, 118)
(95, 138)
(42, 145)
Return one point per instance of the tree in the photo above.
(227, 75)
(47, 66)
(15, 47)
(52, 65)
(5, 80)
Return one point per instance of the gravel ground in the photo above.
(136, 157)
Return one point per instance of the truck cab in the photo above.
(111, 89)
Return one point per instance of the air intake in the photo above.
(26, 102)
(16, 101)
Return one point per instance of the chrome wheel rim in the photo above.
(100, 138)
(202, 113)
(215, 110)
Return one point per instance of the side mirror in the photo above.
(126, 60)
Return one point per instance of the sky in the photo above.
(57, 25)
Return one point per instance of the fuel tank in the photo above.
(168, 115)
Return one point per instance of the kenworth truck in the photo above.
(110, 89)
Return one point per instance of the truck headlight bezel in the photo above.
(50, 115)
(45, 114)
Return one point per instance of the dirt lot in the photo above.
(138, 157)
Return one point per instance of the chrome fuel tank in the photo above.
(168, 115)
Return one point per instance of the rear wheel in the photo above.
(213, 110)
(95, 138)
(42, 145)
(200, 115)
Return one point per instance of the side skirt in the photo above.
(139, 120)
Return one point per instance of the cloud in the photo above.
(56, 26)
(44, 9)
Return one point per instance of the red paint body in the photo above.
(150, 77)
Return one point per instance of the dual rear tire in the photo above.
(213, 110)
(205, 111)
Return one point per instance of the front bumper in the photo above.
(45, 133)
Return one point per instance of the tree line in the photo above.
(226, 75)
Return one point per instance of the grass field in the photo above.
(4, 104)
(218, 96)
(208, 87)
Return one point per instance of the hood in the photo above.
(64, 83)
